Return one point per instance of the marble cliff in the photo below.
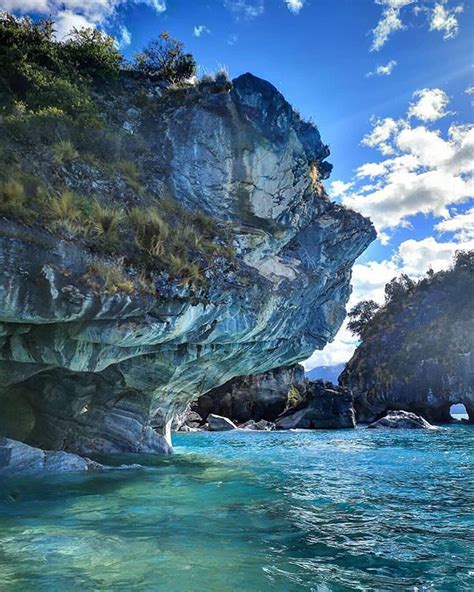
(85, 370)
(417, 353)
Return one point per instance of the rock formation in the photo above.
(417, 353)
(260, 396)
(401, 420)
(17, 457)
(258, 426)
(217, 423)
(325, 406)
(85, 370)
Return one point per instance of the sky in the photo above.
(389, 83)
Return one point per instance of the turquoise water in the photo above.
(323, 511)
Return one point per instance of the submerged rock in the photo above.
(325, 406)
(217, 423)
(17, 457)
(402, 420)
(92, 371)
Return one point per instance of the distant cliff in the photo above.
(156, 240)
(417, 352)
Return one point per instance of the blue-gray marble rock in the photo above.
(402, 420)
(91, 372)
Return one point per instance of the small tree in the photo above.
(398, 288)
(164, 59)
(464, 260)
(93, 54)
(361, 315)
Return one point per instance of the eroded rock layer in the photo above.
(84, 370)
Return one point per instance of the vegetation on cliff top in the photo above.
(432, 318)
(67, 162)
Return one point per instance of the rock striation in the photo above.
(90, 371)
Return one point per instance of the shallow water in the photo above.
(281, 511)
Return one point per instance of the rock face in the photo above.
(187, 421)
(217, 423)
(325, 406)
(258, 426)
(262, 396)
(402, 420)
(418, 353)
(17, 457)
(87, 372)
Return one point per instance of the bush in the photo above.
(294, 397)
(64, 208)
(164, 60)
(151, 230)
(106, 219)
(93, 53)
(109, 276)
(131, 175)
(64, 152)
(12, 197)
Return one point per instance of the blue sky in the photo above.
(388, 82)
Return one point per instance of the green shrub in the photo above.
(294, 397)
(64, 152)
(151, 230)
(93, 53)
(106, 219)
(12, 197)
(64, 207)
(187, 271)
(131, 174)
(109, 276)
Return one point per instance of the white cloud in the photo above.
(339, 188)
(424, 171)
(69, 14)
(381, 135)
(200, 30)
(389, 23)
(232, 39)
(157, 5)
(444, 19)
(295, 5)
(246, 9)
(384, 70)
(415, 258)
(125, 37)
(469, 90)
(439, 17)
(431, 104)
(66, 20)
(460, 225)
(24, 6)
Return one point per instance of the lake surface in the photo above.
(283, 511)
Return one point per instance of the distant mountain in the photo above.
(330, 373)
